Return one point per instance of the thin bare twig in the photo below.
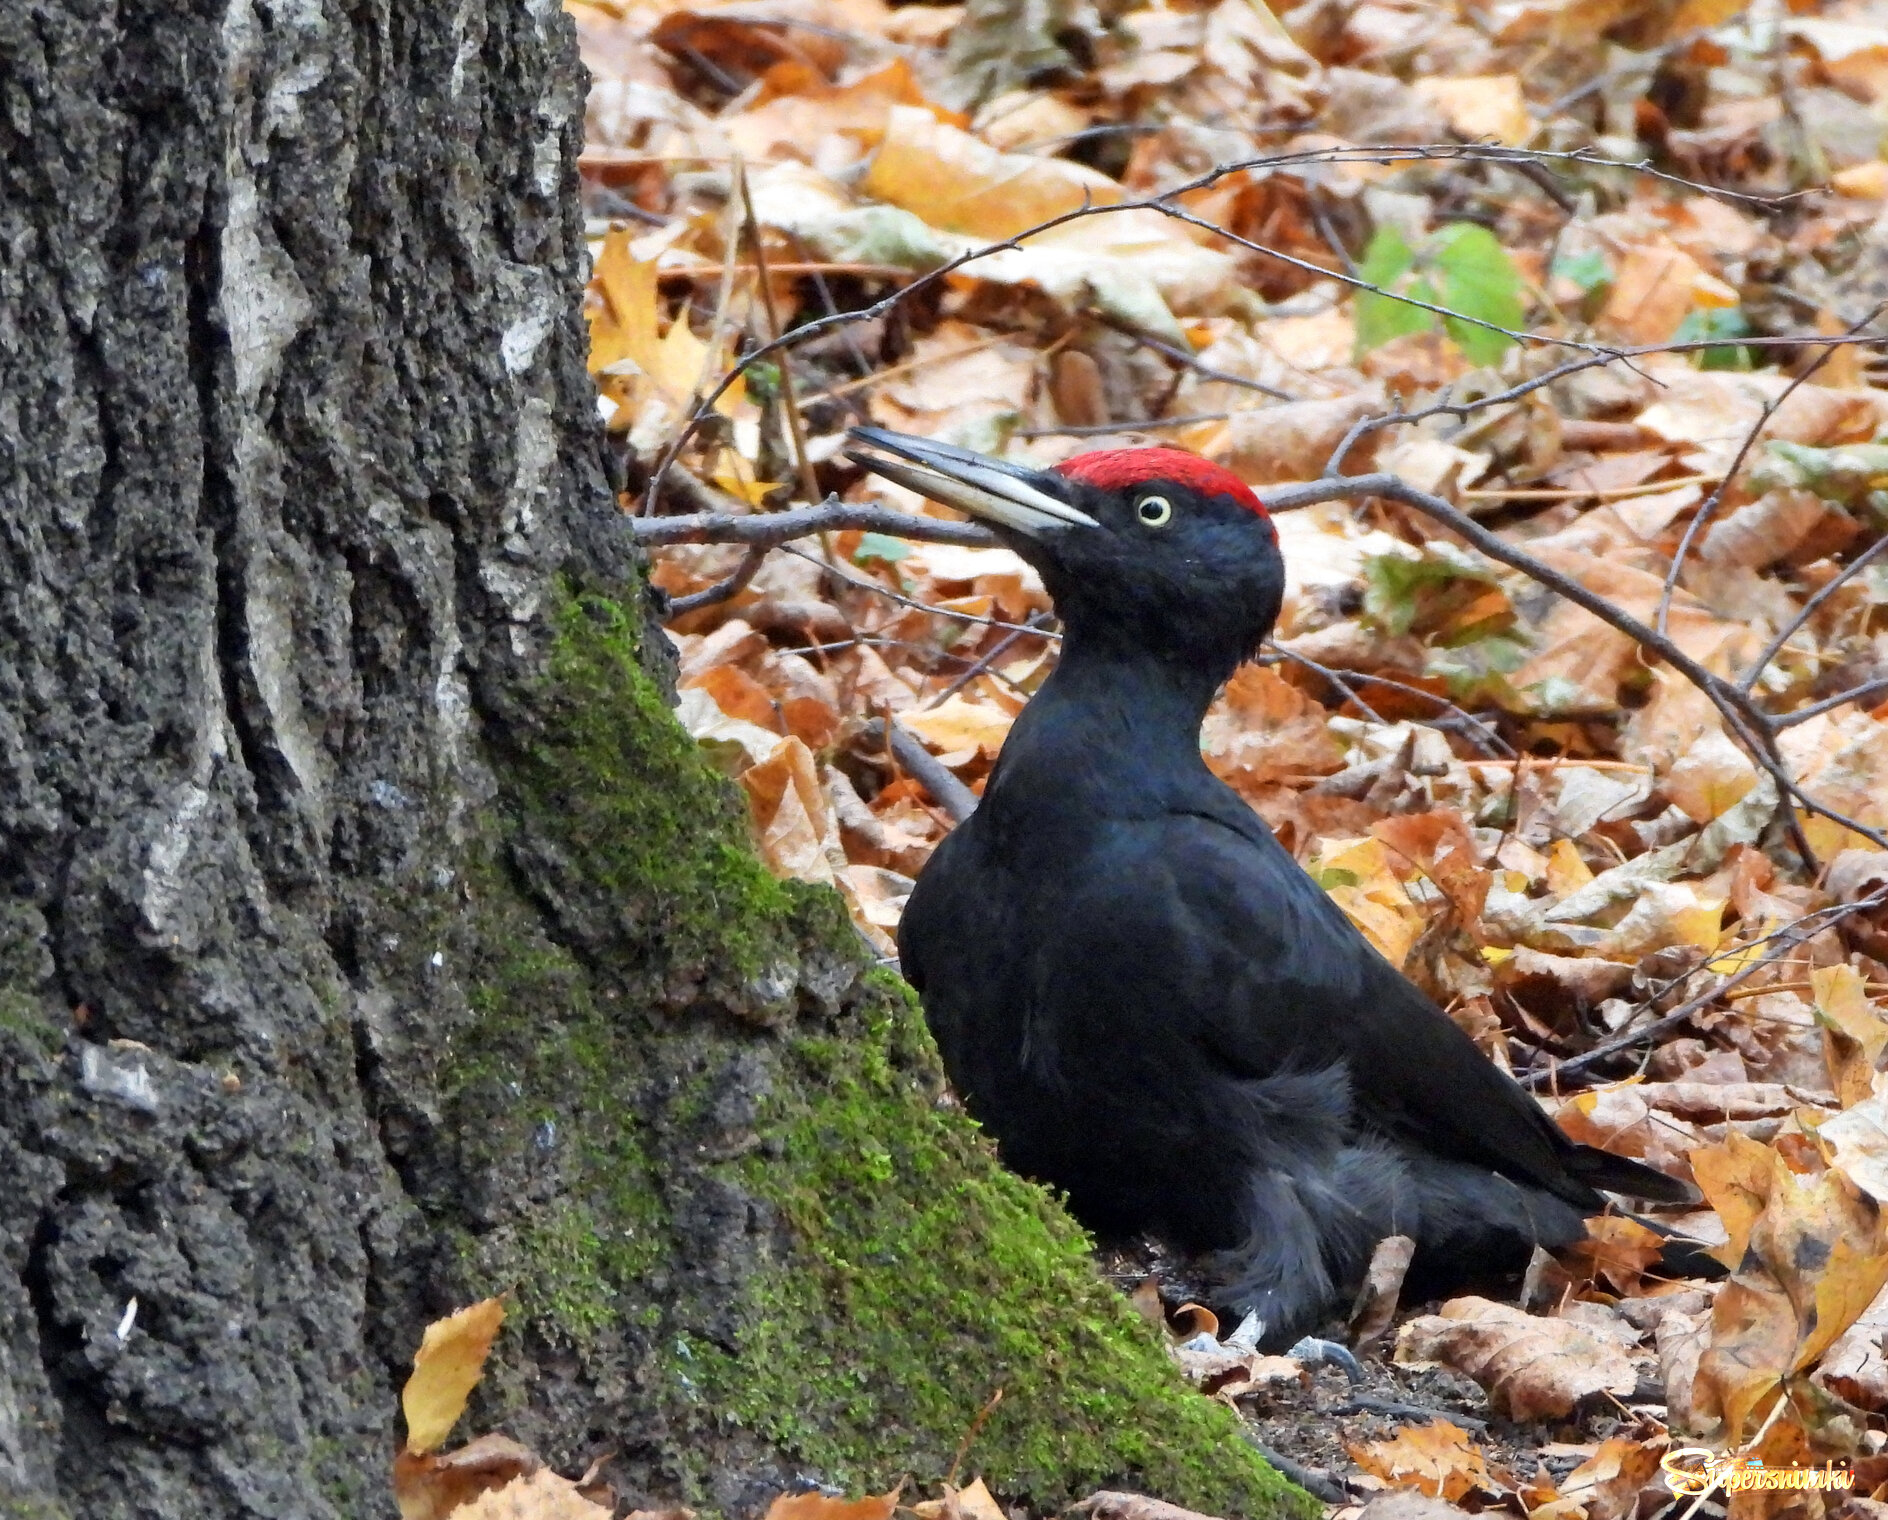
(1475, 730)
(1709, 508)
(767, 529)
(1782, 942)
(988, 658)
(1162, 202)
(1808, 610)
(912, 602)
(722, 590)
(1816, 709)
(1134, 425)
(1181, 356)
(796, 429)
(1345, 690)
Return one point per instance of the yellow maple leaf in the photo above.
(627, 342)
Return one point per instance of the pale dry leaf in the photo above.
(1381, 1290)
(1711, 778)
(1857, 1143)
(958, 723)
(446, 1369)
(1764, 531)
(733, 744)
(1532, 1367)
(1814, 1262)
(1293, 440)
(972, 1503)
(1482, 106)
(1606, 1485)
(793, 815)
(540, 1496)
(1854, 1032)
(1111, 1504)
(432, 1485)
(1855, 1367)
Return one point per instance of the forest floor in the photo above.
(1587, 728)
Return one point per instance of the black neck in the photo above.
(1111, 725)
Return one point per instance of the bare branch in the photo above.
(722, 590)
(767, 529)
(925, 768)
(1709, 509)
(1840, 699)
(1782, 942)
(1775, 647)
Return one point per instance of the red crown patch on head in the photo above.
(1112, 469)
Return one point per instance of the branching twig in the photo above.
(1808, 610)
(722, 590)
(1132, 425)
(1753, 728)
(768, 529)
(1781, 944)
(1181, 356)
(1841, 699)
(1709, 509)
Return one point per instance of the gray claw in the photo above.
(1311, 1349)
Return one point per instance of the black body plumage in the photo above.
(1148, 1003)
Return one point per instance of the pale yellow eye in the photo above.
(1155, 511)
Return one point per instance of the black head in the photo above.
(1148, 549)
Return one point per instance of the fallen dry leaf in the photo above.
(1817, 1256)
(433, 1485)
(1438, 1458)
(817, 1506)
(541, 1495)
(446, 1369)
(1532, 1367)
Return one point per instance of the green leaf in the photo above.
(1334, 876)
(880, 546)
(1480, 281)
(1409, 594)
(1719, 323)
(1848, 473)
(1379, 318)
(1477, 671)
(763, 381)
(1587, 270)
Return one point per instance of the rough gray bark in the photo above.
(360, 952)
(286, 462)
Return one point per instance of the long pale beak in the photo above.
(1006, 494)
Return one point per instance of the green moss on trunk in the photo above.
(882, 1276)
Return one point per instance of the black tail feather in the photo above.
(1620, 1174)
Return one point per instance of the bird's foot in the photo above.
(1329, 1353)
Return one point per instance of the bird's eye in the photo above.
(1155, 511)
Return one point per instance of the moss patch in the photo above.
(624, 791)
(905, 1278)
(927, 1279)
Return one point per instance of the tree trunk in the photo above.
(371, 939)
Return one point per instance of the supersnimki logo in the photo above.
(1692, 1470)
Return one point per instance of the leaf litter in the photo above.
(1372, 235)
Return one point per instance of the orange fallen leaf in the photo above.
(1438, 1458)
(819, 1507)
